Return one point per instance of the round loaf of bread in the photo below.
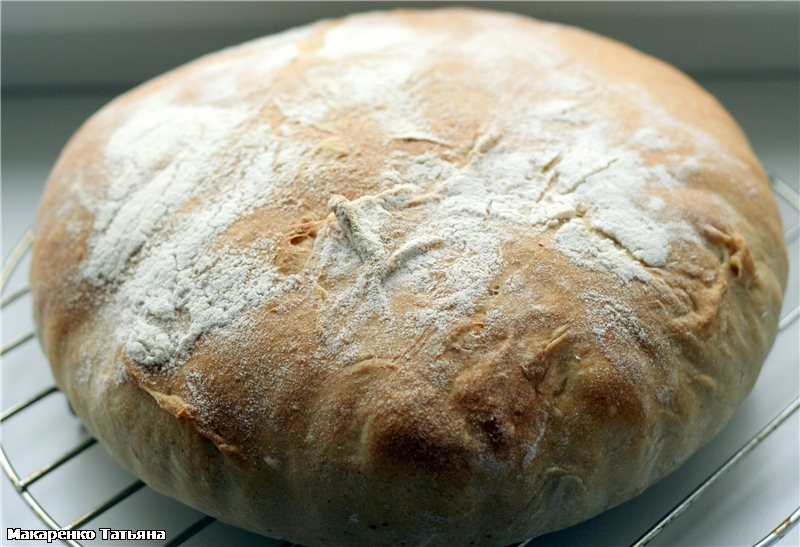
(443, 277)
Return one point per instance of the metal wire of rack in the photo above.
(22, 484)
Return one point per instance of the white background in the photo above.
(62, 61)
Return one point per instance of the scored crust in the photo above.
(439, 277)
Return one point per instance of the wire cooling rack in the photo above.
(23, 484)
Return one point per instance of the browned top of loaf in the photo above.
(444, 244)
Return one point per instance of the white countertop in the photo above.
(746, 504)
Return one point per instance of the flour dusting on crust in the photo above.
(191, 161)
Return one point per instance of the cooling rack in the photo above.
(23, 484)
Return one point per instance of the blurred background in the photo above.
(61, 61)
(119, 44)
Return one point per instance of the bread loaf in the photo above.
(435, 277)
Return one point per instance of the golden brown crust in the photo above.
(503, 374)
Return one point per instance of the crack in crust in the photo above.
(364, 240)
